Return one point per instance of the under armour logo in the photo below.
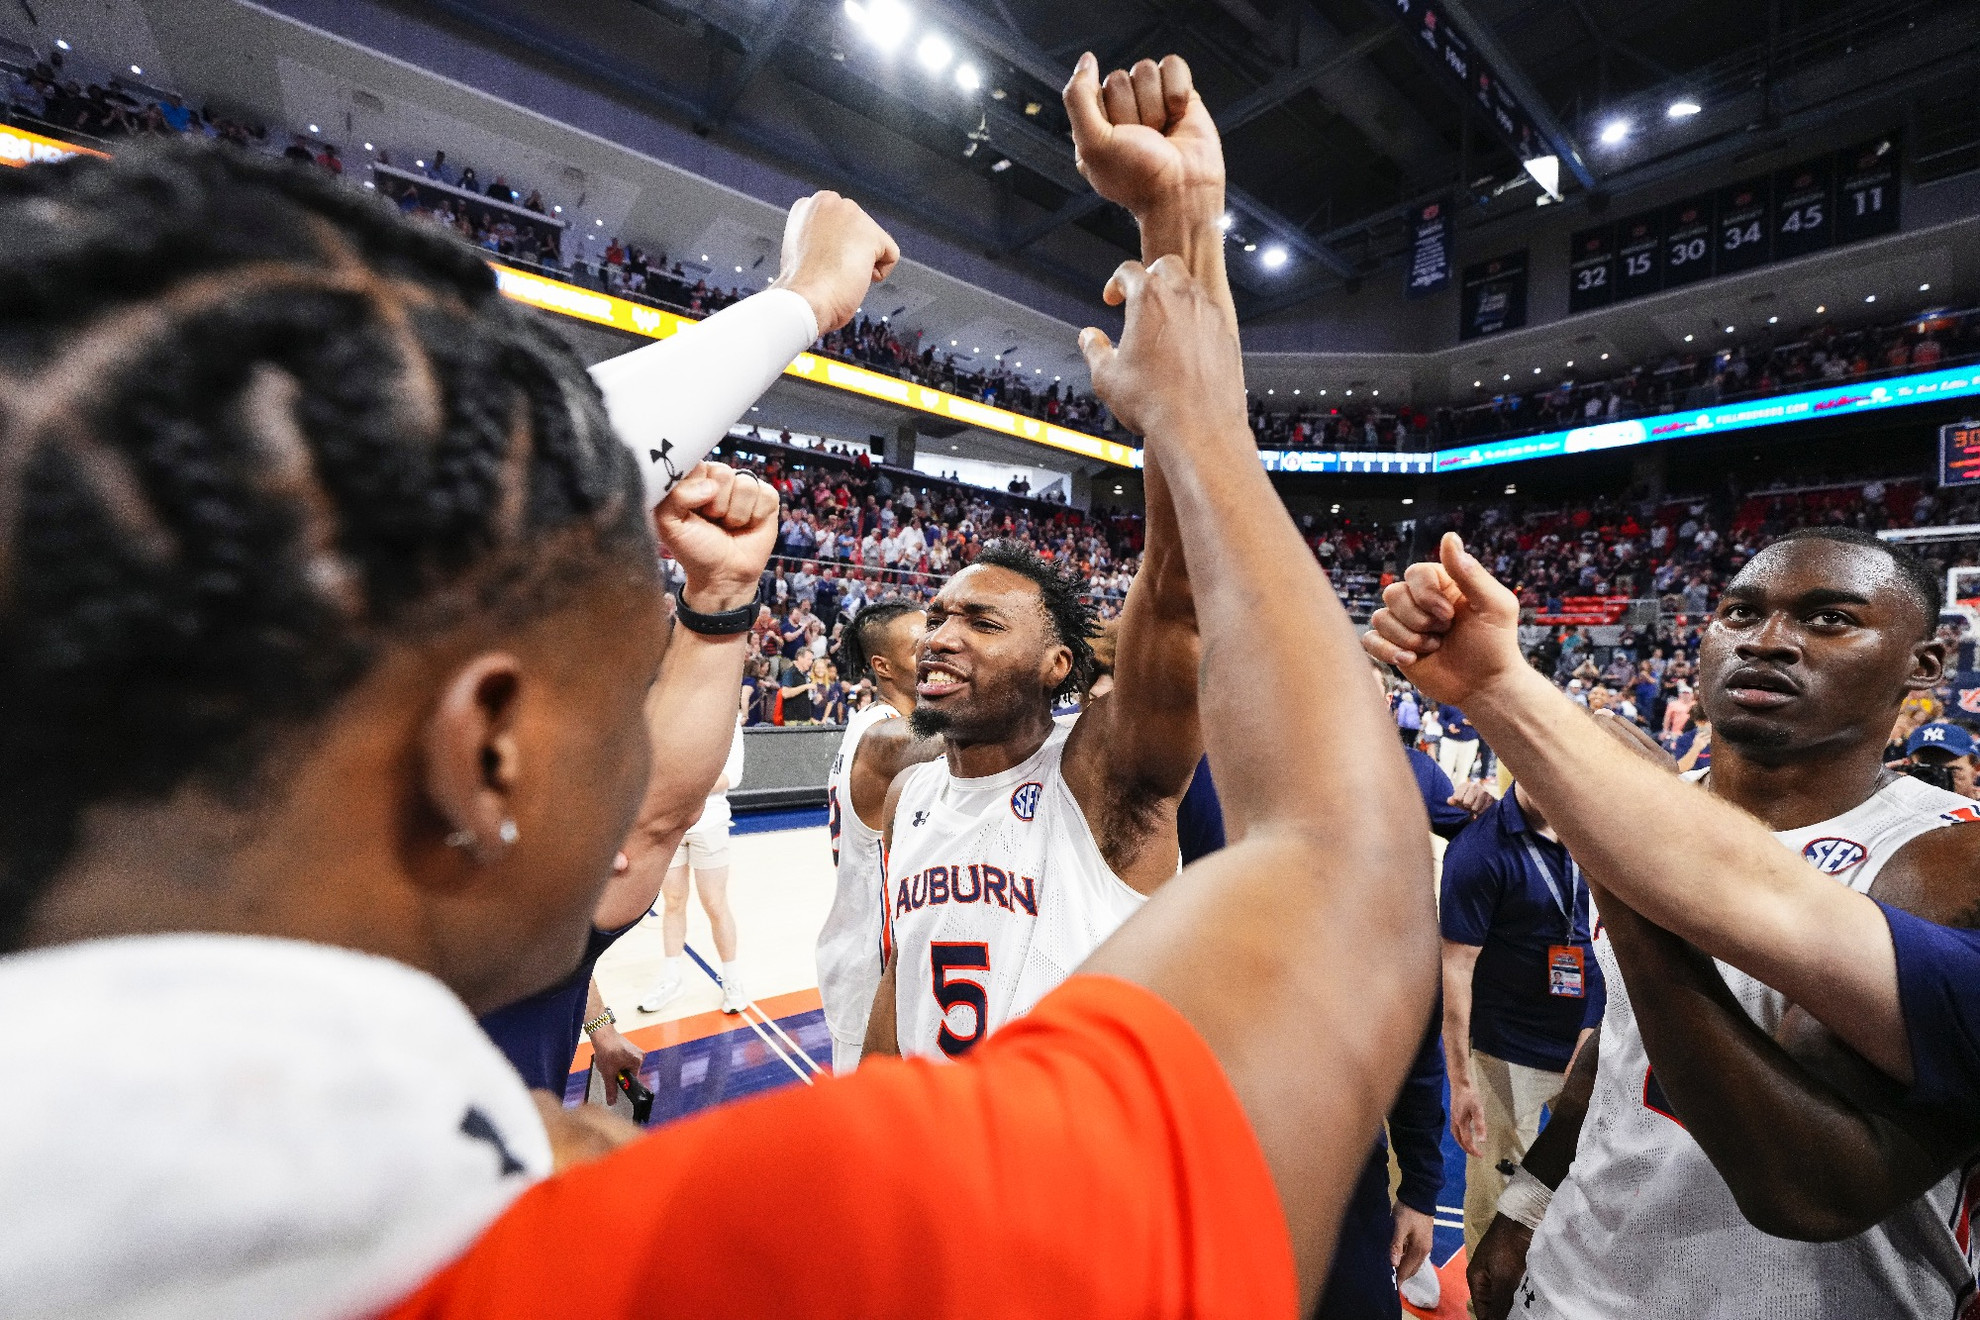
(476, 1126)
(920, 818)
(663, 456)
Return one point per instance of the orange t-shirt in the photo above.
(1088, 1160)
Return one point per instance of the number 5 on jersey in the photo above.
(947, 956)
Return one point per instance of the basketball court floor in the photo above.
(780, 886)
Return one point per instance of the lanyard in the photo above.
(1565, 903)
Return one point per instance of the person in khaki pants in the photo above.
(1519, 980)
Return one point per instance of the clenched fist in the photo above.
(721, 525)
(833, 253)
(1143, 137)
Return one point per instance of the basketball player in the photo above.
(368, 809)
(879, 644)
(701, 860)
(1010, 860)
(1719, 1118)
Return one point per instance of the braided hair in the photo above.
(254, 429)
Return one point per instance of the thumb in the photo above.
(1082, 99)
(1097, 349)
(1482, 592)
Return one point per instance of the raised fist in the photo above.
(1448, 625)
(721, 525)
(1143, 136)
(833, 253)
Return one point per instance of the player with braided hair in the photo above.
(299, 520)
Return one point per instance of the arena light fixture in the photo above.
(1605, 357)
(1820, 310)
(969, 77)
(1350, 394)
(1613, 133)
(60, 44)
(1272, 257)
(1682, 108)
(1689, 338)
(1570, 362)
(1335, 509)
(1925, 288)
(1536, 371)
(1001, 165)
(1250, 247)
(934, 53)
(1295, 391)
(367, 146)
(1225, 221)
(1870, 298)
(1729, 329)
(1408, 500)
(884, 22)
(419, 164)
(1511, 489)
(1376, 393)
(1507, 376)
(1477, 384)
(1773, 320)
(139, 72)
(314, 129)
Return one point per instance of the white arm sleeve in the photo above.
(673, 401)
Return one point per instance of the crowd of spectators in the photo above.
(854, 532)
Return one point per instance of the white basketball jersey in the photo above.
(850, 959)
(996, 891)
(1645, 1227)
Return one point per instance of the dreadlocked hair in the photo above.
(856, 646)
(254, 428)
(1073, 620)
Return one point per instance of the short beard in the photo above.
(927, 722)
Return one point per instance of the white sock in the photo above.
(732, 974)
(677, 966)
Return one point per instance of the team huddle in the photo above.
(299, 501)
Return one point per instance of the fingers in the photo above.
(1127, 279)
(1384, 650)
(1117, 96)
(890, 257)
(1146, 80)
(1097, 349)
(1083, 106)
(1482, 592)
(1177, 86)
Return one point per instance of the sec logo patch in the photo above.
(1024, 802)
(1833, 856)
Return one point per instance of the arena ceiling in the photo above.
(1337, 118)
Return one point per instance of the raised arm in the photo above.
(1734, 891)
(1145, 140)
(673, 401)
(1319, 911)
(720, 525)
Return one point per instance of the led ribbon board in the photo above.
(19, 147)
(1839, 400)
(636, 318)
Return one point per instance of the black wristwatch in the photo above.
(728, 623)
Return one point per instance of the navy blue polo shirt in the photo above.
(1200, 815)
(1496, 896)
(540, 1034)
(1938, 971)
(1455, 724)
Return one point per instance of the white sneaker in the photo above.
(733, 997)
(664, 991)
(1423, 1289)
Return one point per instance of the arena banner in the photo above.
(1780, 409)
(653, 323)
(1493, 296)
(19, 147)
(1430, 238)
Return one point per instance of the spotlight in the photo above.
(739, 271)
(1536, 371)
(1250, 247)
(1376, 393)
(1511, 489)
(314, 129)
(1689, 338)
(1507, 376)
(1477, 384)
(1870, 298)
(1729, 329)
(601, 225)
(952, 343)
(1001, 166)
(367, 146)
(1323, 392)
(968, 76)
(1820, 310)
(934, 54)
(1682, 109)
(1225, 221)
(1570, 362)
(1613, 132)
(1605, 357)
(1773, 320)
(1272, 258)
(557, 209)
(1408, 500)
(885, 22)
(1031, 108)
(135, 69)
(61, 44)
(1925, 288)
(1295, 391)
(419, 164)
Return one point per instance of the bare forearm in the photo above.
(1801, 1159)
(1732, 890)
(1552, 1152)
(1457, 1023)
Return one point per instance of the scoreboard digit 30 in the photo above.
(1959, 453)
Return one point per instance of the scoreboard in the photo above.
(1959, 453)
(1843, 197)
